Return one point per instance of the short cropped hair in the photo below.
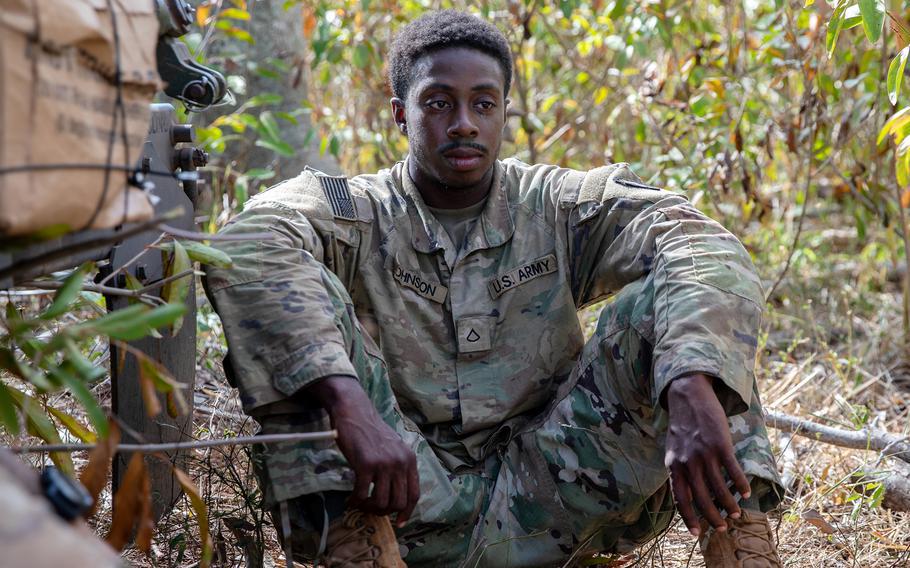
(440, 30)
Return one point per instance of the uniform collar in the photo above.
(428, 235)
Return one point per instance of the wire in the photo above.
(135, 179)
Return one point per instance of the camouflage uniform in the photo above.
(532, 444)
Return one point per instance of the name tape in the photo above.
(430, 290)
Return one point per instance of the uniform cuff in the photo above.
(732, 383)
(309, 364)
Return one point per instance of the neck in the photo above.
(441, 196)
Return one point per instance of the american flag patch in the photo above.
(339, 195)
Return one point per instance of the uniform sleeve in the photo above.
(274, 302)
(707, 296)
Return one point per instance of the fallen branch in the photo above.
(865, 439)
(171, 447)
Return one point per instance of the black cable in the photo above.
(180, 176)
(118, 102)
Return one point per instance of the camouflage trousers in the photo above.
(585, 476)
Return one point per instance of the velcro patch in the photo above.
(522, 275)
(475, 333)
(422, 285)
(636, 185)
(338, 194)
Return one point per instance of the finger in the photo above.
(413, 493)
(740, 481)
(704, 501)
(722, 494)
(361, 489)
(379, 502)
(683, 497)
(398, 500)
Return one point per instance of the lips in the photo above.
(463, 159)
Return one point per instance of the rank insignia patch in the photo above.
(339, 195)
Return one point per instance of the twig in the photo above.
(129, 263)
(811, 114)
(194, 236)
(864, 439)
(174, 446)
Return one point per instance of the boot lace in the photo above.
(757, 531)
(347, 549)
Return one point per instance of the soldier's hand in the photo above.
(699, 447)
(374, 450)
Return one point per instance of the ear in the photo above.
(505, 110)
(399, 114)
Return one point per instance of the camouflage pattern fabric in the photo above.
(532, 445)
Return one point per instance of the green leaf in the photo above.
(264, 99)
(834, 27)
(64, 373)
(361, 56)
(175, 291)
(234, 14)
(270, 126)
(41, 426)
(893, 123)
(619, 8)
(202, 253)
(20, 369)
(873, 12)
(257, 173)
(74, 426)
(133, 322)
(8, 415)
(67, 293)
(87, 371)
(896, 74)
(279, 146)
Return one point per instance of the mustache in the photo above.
(449, 146)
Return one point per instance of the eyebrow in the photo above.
(446, 87)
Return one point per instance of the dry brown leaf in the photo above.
(309, 23)
(816, 519)
(128, 503)
(146, 521)
(901, 32)
(199, 508)
(94, 476)
(905, 198)
(147, 386)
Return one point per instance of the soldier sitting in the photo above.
(428, 312)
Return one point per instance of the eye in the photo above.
(486, 105)
(438, 104)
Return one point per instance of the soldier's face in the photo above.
(453, 117)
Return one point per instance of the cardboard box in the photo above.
(57, 107)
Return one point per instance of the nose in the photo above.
(462, 125)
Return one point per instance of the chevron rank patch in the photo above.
(339, 196)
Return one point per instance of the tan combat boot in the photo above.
(747, 543)
(361, 540)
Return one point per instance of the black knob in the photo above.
(181, 133)
(68, 497)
